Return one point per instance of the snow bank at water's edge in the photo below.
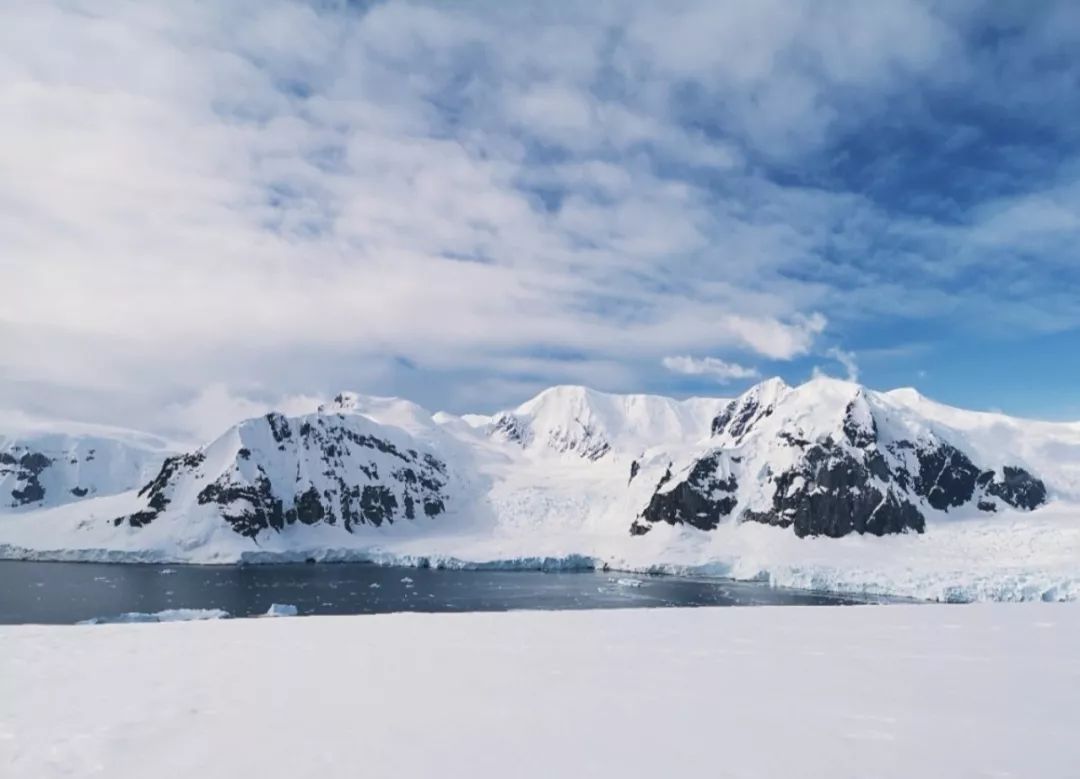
(166, 615)
(1036, 558)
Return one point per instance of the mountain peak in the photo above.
(907, 395)
(384, 410)
(771, 385)
(562, 394)
(590, 423)
(343, 401)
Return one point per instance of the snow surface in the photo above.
(559, 494)
(833, 692)
(85, 460)
(587, 423)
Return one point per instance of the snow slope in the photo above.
(45, 464)
(1052, 449)
(836, 692)
(792, 485)
(589, 424)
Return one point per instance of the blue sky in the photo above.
(206, 209)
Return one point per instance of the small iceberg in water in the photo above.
(281, 610)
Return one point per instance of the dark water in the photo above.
(70, 592)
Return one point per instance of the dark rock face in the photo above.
(279, 427)
(261, 508)
(307, 508)
(701, 501)
(856, 430)
(377, 504)
(833, 494)
(27, 467)
(738, 418)
(420, 479)
(723, 419)
(1019, 489)
(946, 477)
(158, 491)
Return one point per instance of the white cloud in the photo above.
(574, 190)
(847, 360)
(723, 372)
(216, 407)
(270, 192)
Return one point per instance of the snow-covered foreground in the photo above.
(986, 690)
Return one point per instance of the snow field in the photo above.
(878, 691)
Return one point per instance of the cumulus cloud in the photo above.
(717, 369)
(427, 198)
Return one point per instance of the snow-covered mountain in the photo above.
(831, 458)
(46, 464)
(734, 486)
(590, 424)
(336, 467)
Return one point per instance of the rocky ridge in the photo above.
(830, 458)
(335, 467)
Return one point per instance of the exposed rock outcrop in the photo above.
(328, 468)
(40, 469)
(701, 500)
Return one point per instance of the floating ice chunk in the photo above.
(374, 586)
(406, 580)
(629, 582)
(167, 615)
(281, 610)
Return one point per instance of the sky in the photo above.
(208, 209)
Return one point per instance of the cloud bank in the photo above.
(464, 202)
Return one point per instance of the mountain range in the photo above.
(825, 459)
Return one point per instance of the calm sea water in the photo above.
(37, 592)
